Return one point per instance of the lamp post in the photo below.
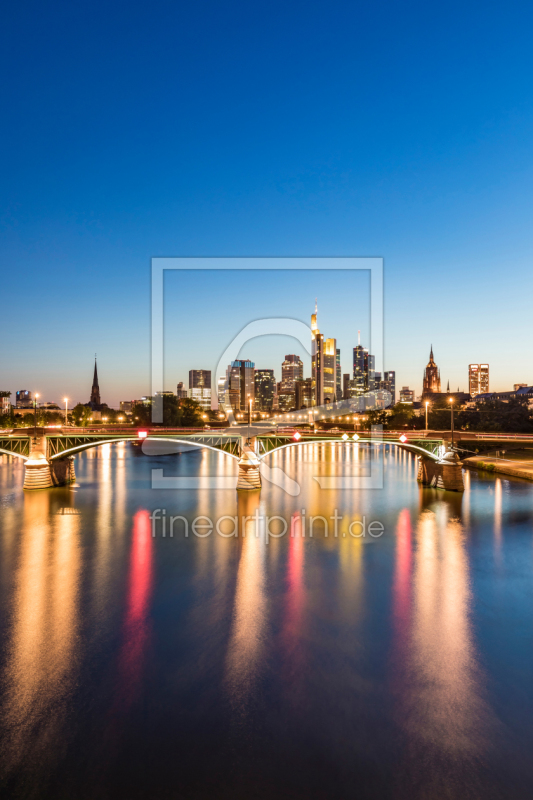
(35, 408)
(451, 404)
(427, 404)
(65, 400)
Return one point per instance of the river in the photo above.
(310, 663)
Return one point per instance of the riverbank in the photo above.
(518, 469)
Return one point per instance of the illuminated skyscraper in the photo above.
(363, 371)
(478, 379)
(303, 394)
(338, 377)
(199, 379)
(431, 376)
(330, 371)
(264, 389)
(388, 384)
(292, 370)
(241, 384)
(317, 361)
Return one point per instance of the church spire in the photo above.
(94, 402)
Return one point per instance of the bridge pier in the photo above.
(249, 477)
(447, 473)
(42, 473)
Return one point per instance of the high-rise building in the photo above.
(202, 396)
(346, 386)
(317, 356)
(241, 384)
(431, 383)
(407, 395)
(338, 377)
(478, 379)
(264, 389)
(330, 371)
(5, 403)
(23, 398)
(292, 370)
(303, 394)
(199, 379)
(94, 402)
(323, 365)
(388, 384)
(363, 370)
(181, 391)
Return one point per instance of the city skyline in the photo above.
(278, 372)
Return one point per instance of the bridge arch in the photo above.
(350, 441)
(88, 445)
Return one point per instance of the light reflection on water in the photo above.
(297, 666)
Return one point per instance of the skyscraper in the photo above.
(292, 369)
(199, 379)
(338, 377)
(478, 379)
(94, 402)
(390, 379)
(264, 389)
(317, 359)
(346, 386)
(330, 371)
(431, 383)
(303, 394)
(363, 370)
(241, 384)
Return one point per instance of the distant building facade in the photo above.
(199, 379)
(240, 377)
(303, 394)
(407, 395)
(24, 399)
(181, 391)
(338, 376)
(478, 379)
(346, 386)
(264, 389)
(363, 371)
(202, 396)
(388, 384)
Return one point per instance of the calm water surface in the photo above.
(252, 667)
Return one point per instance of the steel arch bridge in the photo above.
(68, 442)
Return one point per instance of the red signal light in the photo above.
(142, 434)
(403, 438)
(297, 436)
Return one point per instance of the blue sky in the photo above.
(399, 130)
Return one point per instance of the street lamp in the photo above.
(35, 408)
(451, 405)
(65, 400)
(427, 404)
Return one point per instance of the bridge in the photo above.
(48, 452)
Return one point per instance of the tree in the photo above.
(81, 414)
(182, 413)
